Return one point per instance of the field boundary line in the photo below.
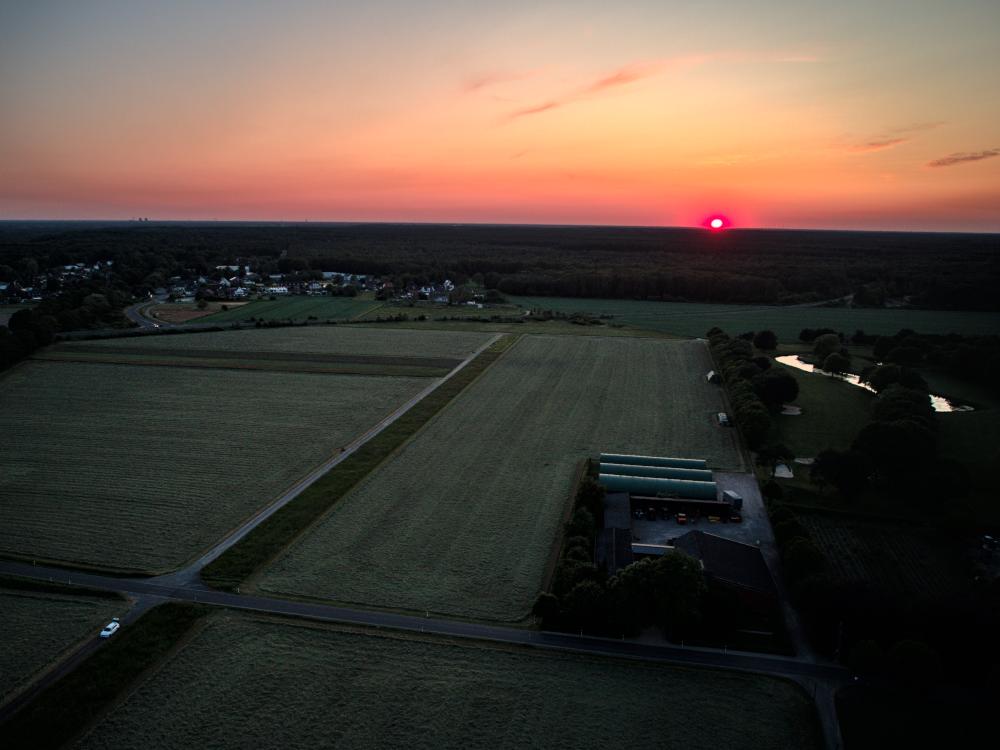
(248, 527)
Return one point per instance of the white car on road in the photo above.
(111, 628)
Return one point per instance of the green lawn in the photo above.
(462, 519)
(694, 319)
(244, 682)
(38, 627)
(299, 307)
(833, 412)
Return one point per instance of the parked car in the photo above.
(682, 518)
(111, 628)
(724, 419)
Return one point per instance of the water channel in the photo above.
(940, 403)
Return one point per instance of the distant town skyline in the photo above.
(860, 115)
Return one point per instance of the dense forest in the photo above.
(935, 271)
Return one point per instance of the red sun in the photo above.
(716, 222)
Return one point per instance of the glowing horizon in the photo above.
(847, 117)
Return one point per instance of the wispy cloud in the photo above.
(482, 81)
(877, 145)
(622, 76)
(964, 157)
(892, 137)
(918, 127)
(535, 109)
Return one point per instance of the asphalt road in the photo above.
(164, 588)
(73, 660)
(135, 313)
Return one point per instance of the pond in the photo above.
(940, 403)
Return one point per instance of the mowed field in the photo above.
(299, 307)
(139, 468)
(38, 627)
(833, 413)
(694, 319)
(244, 679)
(462, 520)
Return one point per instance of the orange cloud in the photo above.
(964, 157)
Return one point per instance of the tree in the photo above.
(678, 590)
(766, 341)
(202, 303)
(882, 376)
(584, 606)
(895, 446)
(755, 423)
(848, 471)
(546, 609)
(837, 363)
(776, 387)
(826, 345)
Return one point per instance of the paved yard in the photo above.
(755, 528)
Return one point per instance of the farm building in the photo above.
(613, 550)
(658, 472)
(732, 565)
(677, 463)
(659, 487)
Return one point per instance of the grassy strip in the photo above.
(16, 583)
(239, 562)
(61, 711)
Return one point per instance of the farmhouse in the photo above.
(728, 564)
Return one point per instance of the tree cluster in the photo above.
(789, 267)
(667, 592)
(755, 388)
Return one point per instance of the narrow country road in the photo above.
(198, 593)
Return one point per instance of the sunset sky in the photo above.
(876, 114)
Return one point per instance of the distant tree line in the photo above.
(934, 271)
(87, 306)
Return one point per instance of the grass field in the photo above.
(367, 340)
(242, 679)
(694, 319)
(833, 413)
(886, 556)
(462, 519)
(38, 627)
(298, 307)
(141, 467)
